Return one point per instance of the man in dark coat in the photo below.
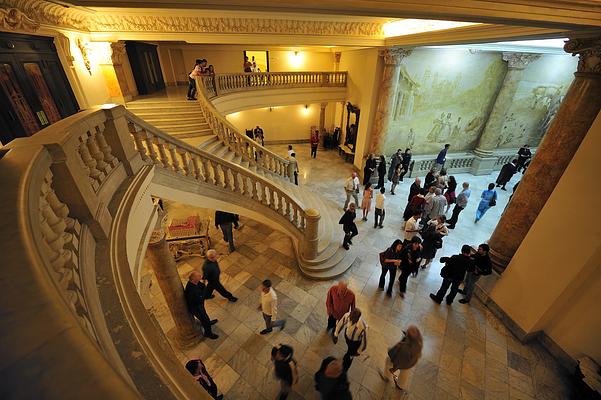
(194, 294)
(381, 172)
(524, 154)
(453, 274)
(405, 161)
(414, 189)
(331, 380)
(200, 374)
(211, 272)
(348, 225)
(507, 172)
(481, 266)
(225, 221)
(410, 259)
(395, 160)
(369, 169)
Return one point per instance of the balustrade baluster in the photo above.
(150, 146)
(236, 178)
(266, 195)
(89, 165)
(174, 160)
(226, 177)
(138, 136)
(217, 174)
(303, 221)
(288, 210)
(106, 150)
(295, 218)
(195, 167)
(97, 154)
(185, 162)
(253, 193)
(208, 172)
(160, 143)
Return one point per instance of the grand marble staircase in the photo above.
(332, 260)
(179, 118)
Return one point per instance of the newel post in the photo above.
(311, 239)
(120, 139)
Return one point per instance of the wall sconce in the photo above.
(306, 106)
(85, 54)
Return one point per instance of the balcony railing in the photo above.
(221, 84)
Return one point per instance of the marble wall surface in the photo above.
(446, 95)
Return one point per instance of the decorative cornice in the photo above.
(519, 60)
(588, 51)
(46, 13)
(118, 52)
(12, 19)
(394, 55)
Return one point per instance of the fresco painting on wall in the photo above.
(446, 95)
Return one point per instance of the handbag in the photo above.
(382, 258)
(493, 202)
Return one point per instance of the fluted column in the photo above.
(163, 265)
(322, 117)
(393, 57)
(571, 124)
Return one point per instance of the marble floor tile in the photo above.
(468, 353)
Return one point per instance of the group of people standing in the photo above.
(200, 69)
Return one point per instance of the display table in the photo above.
(188, 237)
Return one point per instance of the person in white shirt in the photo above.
(380, 211)
(355, 335)
(294, 167)
(351, 187)
(412, 226)
(269, 307)
(290, 150)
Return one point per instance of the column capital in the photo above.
(588, 51)
(337, 56)
(394, 55)
(118, 52)
(519, 60)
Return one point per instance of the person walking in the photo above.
(414, 189)
(380, 211)
(339, 300)
(488, 199)
(269, 308)
(351, 188)
(395, 160)
(259, 135)
(410, 260)
(449, 194)
(428, 202)
(453, 274)
(348, 226)
(369, 169)
(314, 143)
(442, 157)
(507, 172)
(225, 221)
(194, 293)
(294, 167)
(430, 179)
(355, 334)
(524, 155)
(381, 171)
(438, 204)
(200, 374)
(412, 228)
(481, 266)
(390, 259)
(396, 175)
(443, 180)
(416, 204)
(460, 204)
(366, 201)
(402, 357)
(405, 162)
(285, 369)
(211, 272)
(432, 236)
(331, 380)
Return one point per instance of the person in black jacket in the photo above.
(331, 380)
(431, 178)
(453, 274)
(410, 259)
(200, 374)
(524, 155)
(381, 172)
(406, 160)
(194, 294)
(481, 266)
(369, 169)
(348, 225)
(390, 260)
(211, 272)
(507, 172)
(224, 220)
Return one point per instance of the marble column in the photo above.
(118, 54)
(576, 114)
(516, 62)
(322, 118)
(393, 57)
(165, 270)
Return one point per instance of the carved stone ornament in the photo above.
(588, 51)
(519, 60)
(394, 55)
(118, 52)
(54, 14)
(12, 19)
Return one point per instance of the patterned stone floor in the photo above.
(468, 353)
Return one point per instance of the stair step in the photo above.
(170, 120)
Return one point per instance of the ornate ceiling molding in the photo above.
(519, 60)
(588, 51)
(12, 19)
(46, 13)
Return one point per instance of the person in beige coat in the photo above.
(403, 356)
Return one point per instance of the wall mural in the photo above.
(541, 90)
(445, 96)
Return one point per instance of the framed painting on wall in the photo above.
(259, 60)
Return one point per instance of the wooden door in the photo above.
(34, 90)
(145, 66)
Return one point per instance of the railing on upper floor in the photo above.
(221, 84)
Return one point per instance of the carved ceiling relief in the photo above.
(519, 60)
(588, 51)
(12, 19)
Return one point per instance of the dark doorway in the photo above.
(34, 90)
(145, 66)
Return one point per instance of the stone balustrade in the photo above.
(74, 197)
(222, 84)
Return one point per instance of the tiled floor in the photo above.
(468, 353)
